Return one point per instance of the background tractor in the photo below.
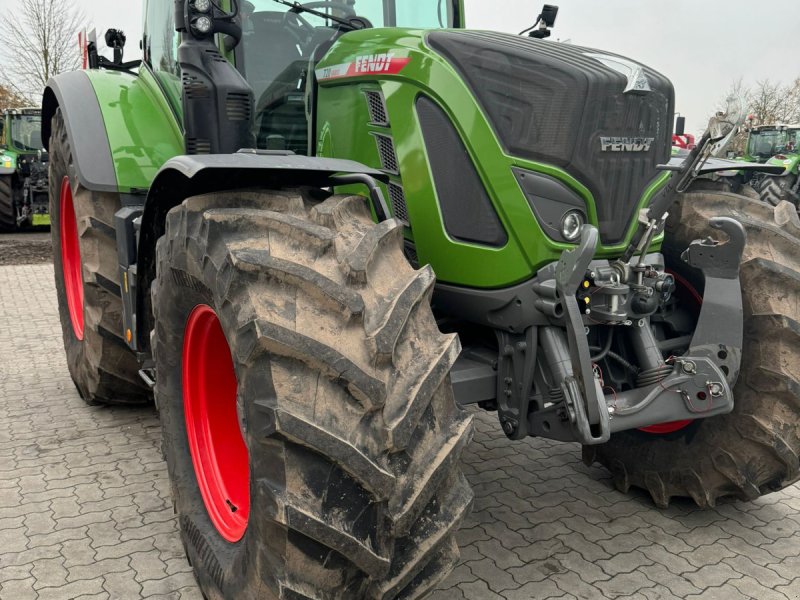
(313, 232)
(777, 145)
(24, 197)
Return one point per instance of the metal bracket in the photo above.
(515, 371)
(719, 331)
(376, 195)
(590, 407)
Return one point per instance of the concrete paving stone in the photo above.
(19, 589)
(153, 587)
(708, 554)
(50, 573)
(496, 578)
(86, 512)
(625, 584)
(726, 591)
(99, 567)
(764, 575)
(533, 589)
(15, 572)
(624, 562)
(72, 590)
(122, 584)
(677, 584)
(712, 575)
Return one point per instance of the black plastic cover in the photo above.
(550, 200)
(552, 102)
(466, 208)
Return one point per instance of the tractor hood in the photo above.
(603, 118)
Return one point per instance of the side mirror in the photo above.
(680, 126)
(115, 39)
(546, 19)
(549, 14)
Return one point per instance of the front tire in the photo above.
(351, 435)
(101, 365)
(8, 215)
(753, 450)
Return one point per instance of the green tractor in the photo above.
(313, 233)
(776, 145)
(24, 198)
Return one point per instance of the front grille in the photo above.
(398, 199)
(377, 108)
(387, 154)
(551, 103)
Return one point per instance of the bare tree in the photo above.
(10, 99)
(41, 41)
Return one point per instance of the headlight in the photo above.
(203, 24)
(202, 6)
(571, 224)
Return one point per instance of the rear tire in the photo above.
(349, 419)
(776, 189)
(725, 185)
(8, 216)
(101, 365)
(753, 450)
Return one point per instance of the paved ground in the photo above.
(85, 509)
(25, 248)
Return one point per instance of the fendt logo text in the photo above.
(374, 63)
(626, 144)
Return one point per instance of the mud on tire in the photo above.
(754, 450)
(349, 418)
(104, 369)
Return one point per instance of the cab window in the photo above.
(278, 44)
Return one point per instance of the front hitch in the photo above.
(696, 384)
(701, 381)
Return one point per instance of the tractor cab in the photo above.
(21, 130)
(280, 43)
(770, 140)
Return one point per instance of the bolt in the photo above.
(508, 381)
(508, 427)
(689, 367)
(611, 410)
(715, 389)
(640, 323)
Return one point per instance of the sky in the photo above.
(701, 45)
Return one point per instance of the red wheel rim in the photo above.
(71, 259)
(219, 454)
(690, 295)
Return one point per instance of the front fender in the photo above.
(120, 126)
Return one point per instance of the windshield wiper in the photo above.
(299, 8)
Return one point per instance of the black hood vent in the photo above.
(553, 103)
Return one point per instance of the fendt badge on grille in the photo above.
(626, 144)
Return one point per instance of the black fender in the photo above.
(75, 94)
(185, 176)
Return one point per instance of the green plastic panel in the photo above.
(143, 131)
(344, 131)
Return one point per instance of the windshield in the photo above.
(769, 142)
(26, 132)
(278, 43)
